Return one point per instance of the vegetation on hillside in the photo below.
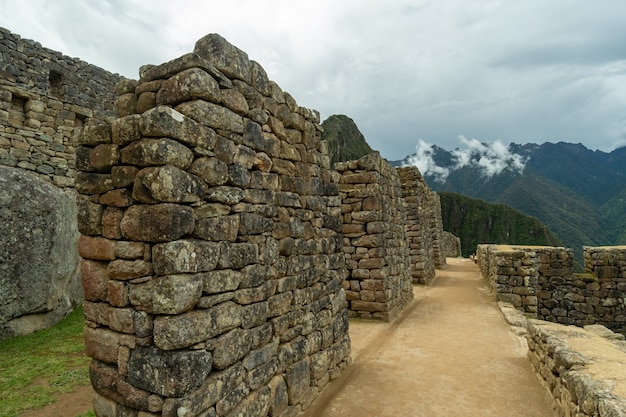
(476, 221)
(578, 193)
(345, 141)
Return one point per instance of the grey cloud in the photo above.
(403, 71)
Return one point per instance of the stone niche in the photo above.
(379, 283)
(211, 245)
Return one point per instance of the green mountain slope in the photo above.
(476, 221)
(345, 141)
(578, 193)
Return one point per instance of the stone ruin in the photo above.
(215, 239)
(424, 226)
(44, 96)
(540, 281)
(374, 238)
(211, 242)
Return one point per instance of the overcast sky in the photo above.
(403, 70)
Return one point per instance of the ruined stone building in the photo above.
(220, 254)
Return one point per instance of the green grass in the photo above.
(35, 367)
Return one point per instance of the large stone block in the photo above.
(227, 58)
(39, 271)
(185, 256)
(188, 85)
(170, 294)
(172, 374)
(167, 184)
(157, 223)
(164, 121)
(230, 348)
(187, 329)
(212, 115)
(155, 152)
(94, 278)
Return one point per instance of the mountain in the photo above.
(476, 221)
(345, 141)
(578, 193)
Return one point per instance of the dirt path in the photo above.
(450, 354)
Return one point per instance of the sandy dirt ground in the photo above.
(450, 353)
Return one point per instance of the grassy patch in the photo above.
(35, 367)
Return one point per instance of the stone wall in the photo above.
(374, 239)
(540, 281)
(211, 245)
(582, 369)
(44, 95)
(451, 245)
(423, 225)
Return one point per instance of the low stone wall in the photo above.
(374, 238)
(211, 245)
(540, 281)
(44, 95)
(424, 228)
(582, 369)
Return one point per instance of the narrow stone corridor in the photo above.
(450, 353)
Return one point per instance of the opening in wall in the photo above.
(56, 83)
(17, 116)
(80, 120)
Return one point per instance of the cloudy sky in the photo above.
(437, 71)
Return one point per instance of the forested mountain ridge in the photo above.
(578, 193)
(476, 221)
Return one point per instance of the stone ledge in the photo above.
(583, 369)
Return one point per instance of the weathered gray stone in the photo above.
(230, 348)
(185, 256)
(167, 373)
(229, 59)
(164, 121)
(217, 228)
(279, 399)
(187, 329)
(212, 115)
(154, 152)
(187, 85)
(298, 381)
(169, 294)
(157, 223)
(221, 281)
(39, 275)
(212, 170)
(213, 389)
(167, 184)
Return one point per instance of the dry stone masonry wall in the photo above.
(44, 95)
(540, 281)
(582, 369)
(424, 227)
(374, 239)
(211, 245)
(451, 245)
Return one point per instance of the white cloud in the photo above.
(490, 158)
(423, 160)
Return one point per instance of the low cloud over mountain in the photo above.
(489, 158)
